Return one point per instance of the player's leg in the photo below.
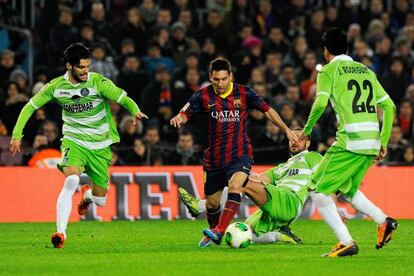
(231, 207)
(72, 165)
(237, 174)
(214, 181)
(97, 168)
(195, 205)
(334, 173)
(385, 225)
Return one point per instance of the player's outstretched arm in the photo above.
(317, 110)
(179, 120)
(17, 134)
(274, 117)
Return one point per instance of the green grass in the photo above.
(170, 248)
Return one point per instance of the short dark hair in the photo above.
(75, 52)
(219, 64)
(335, 41)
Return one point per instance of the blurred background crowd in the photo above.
(159, 51)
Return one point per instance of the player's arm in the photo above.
(322, 96)
(192, 107)
(256, 102)
(112, 92)
(274, 117)
(384, 101)
(40, 99)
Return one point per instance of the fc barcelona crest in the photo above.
(237, 103)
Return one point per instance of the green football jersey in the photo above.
(295, 174)
(86, 114)
(354, 93)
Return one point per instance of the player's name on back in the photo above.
(353, 70)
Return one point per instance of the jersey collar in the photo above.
(66, 77)
(225, 94)
(342, 57)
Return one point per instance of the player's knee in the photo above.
(99, 200)
(235, 186)
(72, 182)
(212, 204)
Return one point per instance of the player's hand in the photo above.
(381, 155)
(177, 121)
(292, 137)
(15, 146)
(139, 116)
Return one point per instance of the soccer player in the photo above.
(228, 157)
(88, 131)
(354, 93)
(280, 204)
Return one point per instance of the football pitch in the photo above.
(170, 248)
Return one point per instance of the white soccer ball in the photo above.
(238, 235)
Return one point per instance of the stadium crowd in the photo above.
(159, 51)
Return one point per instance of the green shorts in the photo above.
(340, 170)
(95, 163)
(281, 209)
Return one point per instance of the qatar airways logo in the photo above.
(226, 115)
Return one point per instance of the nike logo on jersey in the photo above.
(211, 105)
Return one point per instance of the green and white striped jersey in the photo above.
(354, 93)
(86, 114)
(295, 174)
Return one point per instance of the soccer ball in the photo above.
(238, 235)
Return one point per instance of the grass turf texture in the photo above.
(170, 248)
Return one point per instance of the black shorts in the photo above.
(216, 179)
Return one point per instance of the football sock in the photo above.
(213, 216)
(64, 202)
(365, 206)
(230, 209)
(202, 202)
(99, 200)
(328, 211)
(268, 237)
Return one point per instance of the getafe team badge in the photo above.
(237, 103)
(84, 92)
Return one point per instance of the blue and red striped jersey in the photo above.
(226, 121)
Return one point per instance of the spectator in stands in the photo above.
(129, 131)
(154, 144)
(20, 77)
(300, 109)
(89, 38)
(271, 147)
(39, 143)
(101, 63)
(183, 90)
(116, 159)
(140, 155)
(181, 43)
(157, 98)
(273, 69)
(102, 24)
(184, 153)
(265, 18)
(408, 156)
(214, 29)
(286, 78)
(192, 61)
(50, 130)
(276, 42)
(127, 48)
(149, 12)
(14, 102)
(406, 119)
(186, 17)
(331, 17)
(133, 77)
(315, 29)
(154, 60)
(62, 35)
(248, 58)
(7, 65)
(296, 56)
(208, 52)
(395, 79)
(134, 29)
(396, 145)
